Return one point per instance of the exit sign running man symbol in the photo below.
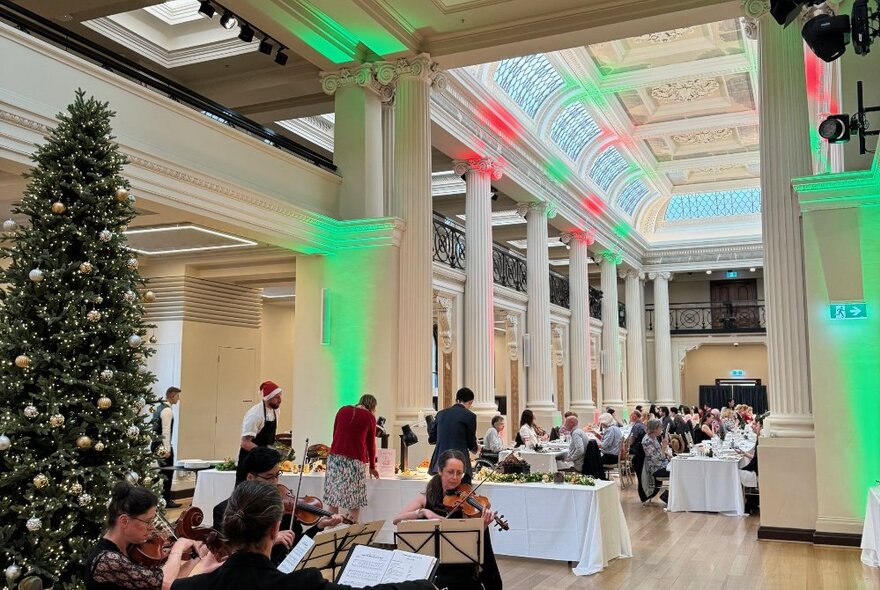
(848, 311)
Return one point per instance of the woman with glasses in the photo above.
(130, 518)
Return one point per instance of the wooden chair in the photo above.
(625, 467)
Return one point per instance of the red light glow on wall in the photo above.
(594, 205)
(500, 121)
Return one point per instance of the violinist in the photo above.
(252, 522)
(130, 518)
(261, 464)
(429, 504)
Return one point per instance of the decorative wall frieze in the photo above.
(511, 325)
(24, 122)
(557, 344)
(484, 165)
(443, 309)
(664, 37)
(703, 137)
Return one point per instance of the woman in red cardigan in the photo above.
(353, 449)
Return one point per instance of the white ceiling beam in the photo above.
(722, 120)
(741, 158)
(704, 68)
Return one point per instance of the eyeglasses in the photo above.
(147, 522)
(273, 477)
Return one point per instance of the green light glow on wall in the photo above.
(622, 229)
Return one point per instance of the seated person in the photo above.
(680, 427)
(251, 525)
(729, 420)
(610, 410)
(577, 446)
(492, 441)
(656, 461)
(429, 504)
(261, 464)
(530, 433)
(130, 518)
(563, 433)
(610, 436)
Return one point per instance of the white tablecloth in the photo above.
(871, 532)
(563, 522)
(700, 484)
(539, 462)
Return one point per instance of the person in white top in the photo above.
(259, 425)
(492, 441)
(530, 433)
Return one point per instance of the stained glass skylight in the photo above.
(608, 166)
(715, 204)
(632, 195)
(573, 129)
(528, 80)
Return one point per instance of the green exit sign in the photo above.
(737, 373)
(848, 311)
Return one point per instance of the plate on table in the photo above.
(197, 464)
(411, 475)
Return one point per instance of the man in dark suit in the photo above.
(455, 427)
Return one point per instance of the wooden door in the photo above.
(236, 393)
(734, 303)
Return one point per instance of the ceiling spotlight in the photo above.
(265, 46)
(708, 272)
(281, 57)
(827, 34)
(207, 9)
(246, 34)
(228, 20)
(836, 128)
(785, 11)
(752, 269)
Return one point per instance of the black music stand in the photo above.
(451, 541)
(331, 547)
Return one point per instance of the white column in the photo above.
(412, 191)
(357, 140)
(611, 383)
(479, 315)
(388, 154)
(579, 331)
(635, 337)
(784, 128)
(539, 379)
(664, 396)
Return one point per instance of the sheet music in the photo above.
(365, 567)
(295, 556)
(408, 566)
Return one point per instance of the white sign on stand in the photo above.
(386, 459)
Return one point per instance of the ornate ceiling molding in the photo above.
(685, 90)
(703, 137)
(664, 37)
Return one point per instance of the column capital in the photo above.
(754, 11)
(612, 256)
(540, 207)
(579, 236)
(360, 75)
(484, 165)
(511, 324)
(631, 273)
(666, 276)
(420, 67)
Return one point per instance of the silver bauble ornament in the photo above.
(36, 275)
(56, 420)
(86, 268)
(104, 403)
(94, 315)
(143, 370)
(129, 296)
(134, 341)
(132, 431)
(148, 481)
(140, 403)
(58, 208)
(99, 446)
(153, 339)
(149, 297)
(5, 442)
(12, 573)
(106, 375)
(84, 442)
(31, 411)
(9, 225)
(121, 194)
(33, 524)
(132, 477)
(85, 500)
(105, 235)
(132, 263)
(22, 361)
(76, 488)
(40, 480)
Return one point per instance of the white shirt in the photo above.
(492, 442)
(528, 435)
(255, 419)
(166, 416)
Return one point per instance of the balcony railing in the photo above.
(558, 289)
(621, 314)
(700, 317)
(508, 268)
(595, 303)
(448, 243)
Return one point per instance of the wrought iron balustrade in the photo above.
(595, 303)
(448, 243)
(508, 268)
(728, 317)
(621, 314)
(559, 294)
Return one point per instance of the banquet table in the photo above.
(717, 395)
(566, 522)
(871, 531)
(703, 484)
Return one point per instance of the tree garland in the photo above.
(568, 477)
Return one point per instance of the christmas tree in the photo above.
(72, 374)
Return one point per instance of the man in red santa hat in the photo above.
(259, 425)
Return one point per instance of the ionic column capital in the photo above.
(611, 256)
(754, 11)
(581, 236)
(483, 165)
(631, 273)
(361, 75)
(665, 276)
(539, 207)
(420, 67)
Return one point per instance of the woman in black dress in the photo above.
(429, 504)
(130, 518)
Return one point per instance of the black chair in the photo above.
(593, 461)
(554, 433)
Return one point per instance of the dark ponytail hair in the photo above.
(131, 500)
(252, 511)
(434, 491)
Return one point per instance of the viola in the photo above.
(151, 553)
(463, 498)
(187, 527)
(308, 509)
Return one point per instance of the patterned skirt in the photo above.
(345, 483)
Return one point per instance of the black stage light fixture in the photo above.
(785, 11)
(207, 9)
(228, 20)
(865, 25)
(827, 34)
(265, 46)
(836, 128)
(246, 34)
(281, 57)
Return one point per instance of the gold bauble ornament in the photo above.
(22, 361)
(76, 488)
(86, 268)
(121, 194)
(132, 263)
(149, 297)
(84, 442)
(148, 481)
(58, 208)
(104, 403)
(99, 446)
(40, 480)
(56, 420)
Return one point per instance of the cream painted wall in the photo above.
(703, 365)
(276, 358)
(502, 365)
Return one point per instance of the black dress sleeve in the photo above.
(110, 567)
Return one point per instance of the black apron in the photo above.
(264, 438)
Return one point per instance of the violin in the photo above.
(187, 527)
(308, 509)
(153, 552)
(472, 506)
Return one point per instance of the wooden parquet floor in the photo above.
(694, 551)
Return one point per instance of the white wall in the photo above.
(276, 358)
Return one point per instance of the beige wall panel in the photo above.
(276, 358)
(710, 362)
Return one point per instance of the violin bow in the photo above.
(299, 485)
